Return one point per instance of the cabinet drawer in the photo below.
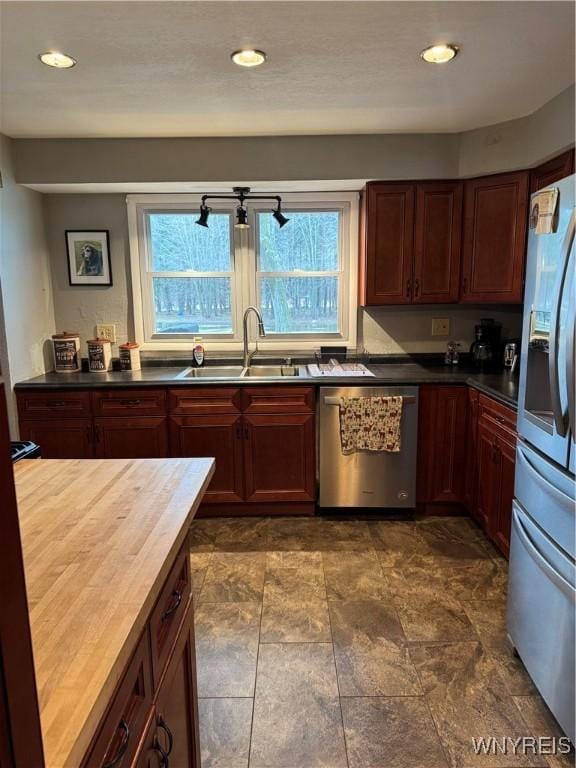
(53, 405)
(204, 401)
(134, 402)
(291, 399)
(168, 612)
(122, 728)
(500, 417)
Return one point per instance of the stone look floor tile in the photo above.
(370, 650)
(397, 543)
(297, 719)
(542, 723)
(489, 620)
(426, 611)
(467, 698)
(226, 648)
(480, 580)
(225, 726)
(354, 576)
(391, 733)
(294, 608)
(234, 577)
(199, 562)
(245, 534)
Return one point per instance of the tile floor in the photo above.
(354, 643)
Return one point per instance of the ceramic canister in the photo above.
(129, 356)
(100, 355)
(66, 348)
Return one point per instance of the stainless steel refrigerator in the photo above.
(541, 589)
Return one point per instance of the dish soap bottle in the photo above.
(198, 353)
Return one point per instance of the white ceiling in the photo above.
(163, 68)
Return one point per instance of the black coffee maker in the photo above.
(485, 349)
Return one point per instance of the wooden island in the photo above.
(108, 581)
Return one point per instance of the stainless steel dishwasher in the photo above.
(367, 478)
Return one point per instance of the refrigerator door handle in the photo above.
(538, 557)
(557, 409)
(570, 372)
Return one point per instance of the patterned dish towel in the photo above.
(370, 424)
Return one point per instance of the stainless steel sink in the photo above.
(212, 372)
(271, 371)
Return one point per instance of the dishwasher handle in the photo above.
(333, 400)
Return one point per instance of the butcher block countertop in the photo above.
(99, 538)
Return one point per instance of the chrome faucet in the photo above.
(261, 333)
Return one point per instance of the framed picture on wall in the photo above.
(88, 257)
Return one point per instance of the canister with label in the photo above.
(129, 356)
(100, 355)
(66, 352)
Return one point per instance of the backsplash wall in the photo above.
(398, 330)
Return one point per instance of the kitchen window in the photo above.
(195, 281)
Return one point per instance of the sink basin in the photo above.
(271, 371)
(212, 372)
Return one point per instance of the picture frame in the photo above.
(88, 253)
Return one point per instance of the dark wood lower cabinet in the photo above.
(219, 435)
(441, 446)
(177, 705)
(470, 480)
(125, 437)
(279, 457)
(60, 438)
(171, 737)
(496, 460)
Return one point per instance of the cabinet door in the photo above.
(220, 436)
(552, 171)
(387, 234)
(177, 702)
(131, 438)
(450, 438)
(150, 754)
(437, 239)
(495, 223)
(487, 475)
(60, 438)
(279, 455)
(501, 514)
(471, 452)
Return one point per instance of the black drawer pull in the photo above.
(131, 403)
(174, 607)
(57, 404)
(123, 746)
(161, 723)
(164, 762)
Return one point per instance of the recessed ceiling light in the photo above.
(248, 58)
(57, 59)
(439, 54)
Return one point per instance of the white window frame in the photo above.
(244, 276)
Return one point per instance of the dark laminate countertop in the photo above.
(501, 386)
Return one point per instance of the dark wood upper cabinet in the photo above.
(552, 171)
(495, 224)
(437, 239)
(387, 244)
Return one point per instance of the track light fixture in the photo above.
(241, 194)
(204, 213)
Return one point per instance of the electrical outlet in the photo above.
(106, 331)
(440, 326)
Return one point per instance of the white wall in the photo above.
(79, 308)
(398, 330)
(28, 311)
(521, 143)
